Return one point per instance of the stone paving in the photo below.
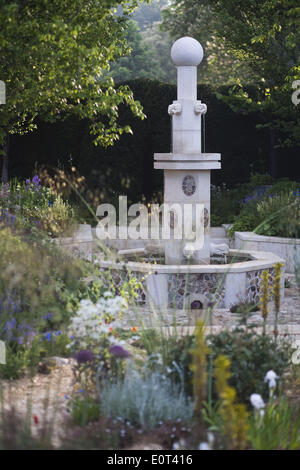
(288, 319)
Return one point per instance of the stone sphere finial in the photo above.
(186, 51)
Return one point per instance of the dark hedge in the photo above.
(127, 167)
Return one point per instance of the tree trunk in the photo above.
(4, 178)
(273, 154)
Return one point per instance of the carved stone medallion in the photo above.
(189, 185)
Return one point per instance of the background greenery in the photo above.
(127, 167)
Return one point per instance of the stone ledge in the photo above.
(286, 248)
(260, 261)
(199, 157)
(187, 165)
(253, 237)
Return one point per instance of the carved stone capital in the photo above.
(200, 108)
(175, 108)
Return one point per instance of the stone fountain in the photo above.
(188, 275)
(187, 169)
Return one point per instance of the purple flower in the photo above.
(36, 180)
(12, 220)
(119, 351)
(10, 325)
(84, 356)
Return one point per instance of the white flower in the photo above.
(204, 446)
(180, 445)
(257, 401)
(271, 378)
(90, 321)
(210, 438)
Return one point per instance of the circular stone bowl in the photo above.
(184, 286)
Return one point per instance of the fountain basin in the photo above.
(196, 286)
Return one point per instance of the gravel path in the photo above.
(41, 393)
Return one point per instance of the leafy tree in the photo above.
(160, 43)
(142, 62)
(150, 47)
(196, 19)
(54, 55)
(147, 14)
(264, 35)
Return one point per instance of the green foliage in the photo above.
(56, 67)
(246, 221)
(198, 20)
(280, 215)
(261, 180)
(170, 356)
(274, 214)
(244, 308)
(251, 357)
(134, 175)
(128, 165)
(16, 363)
(84, 409)
(29, 204)
(24, 357)
(282, 187)
(278, 429)
(55, 344)
(256, 42)
(143, 62)
(160, 43)
(148, 13)
(33, 306)
(50, 272)
(225, 204)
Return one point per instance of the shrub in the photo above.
(283, 186)
(280, 215)
(245, 222)
(40, 288)
(26, 355)
(171, 356)
(30, 204)
(251, 356)
(54, 219)
(261, 180)
(276, 214)
(145, 401)
(35, 296)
